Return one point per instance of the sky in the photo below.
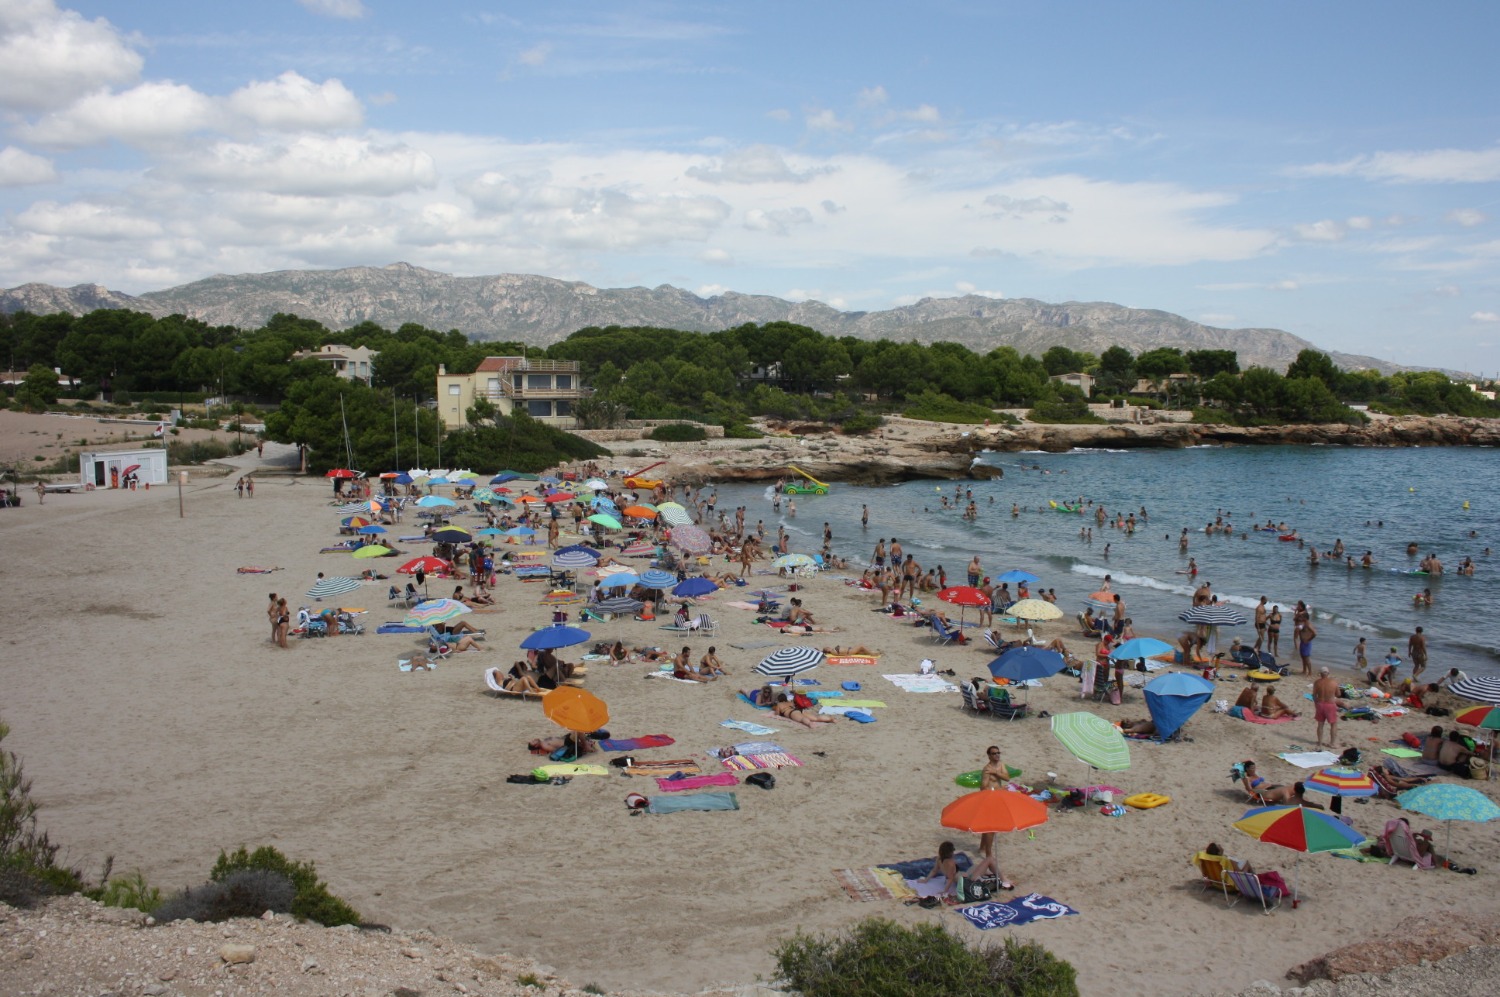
(1329, 169)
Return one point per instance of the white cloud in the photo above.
(1485, 317)
(779, 221)
(1467, 217)
(832, 207)
(1360, 223)
(1011, 207)
(348, 10)
(19, 168)
(1447, 290)
(710, 290)
(311, 165)
(964, 287)
(779, 114)
(825, 120)
(872, 96)
(925, 113)
(292, 102)
(718, 257)
(754, 164)
(49, 57)
(536, 55)
(1432, 166)
(145, 114)
(88, 220)
(1287, 284)
(1327, 230)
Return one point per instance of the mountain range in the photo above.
(542, 310)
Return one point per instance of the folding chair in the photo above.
(943, 634)
(972, 702)
(1003, 708)
(1248, 885)
(1213, 873)
(707, 625)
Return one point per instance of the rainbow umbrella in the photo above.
(1299, 829)
(1485, 718)
(1342, 782)
(425, 614)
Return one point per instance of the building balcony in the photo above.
(514, 393)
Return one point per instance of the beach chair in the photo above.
(944, 634)
(1402, 845)
(1088, 631)
(1213, 874)
(1002, 707)
(972, 702)
(707, 625)
(1248, 885)
(494, 679)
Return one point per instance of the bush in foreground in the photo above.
(29, 869)
(312, 900)
(879, 958)
(244, 893)
(678, 432)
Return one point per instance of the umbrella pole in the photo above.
(1296, 867)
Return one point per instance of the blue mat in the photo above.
(398, 628)
(917, 868)
(1022, 910)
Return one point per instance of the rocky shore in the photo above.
(907, 449)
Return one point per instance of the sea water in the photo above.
(1446, 500)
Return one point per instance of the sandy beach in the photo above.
(160, 725)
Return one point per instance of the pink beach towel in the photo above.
(1255, 719)
(697, 782)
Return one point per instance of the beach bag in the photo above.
(1479, 768)
(1114, 696)
(1075, 798)
(801, 702)
(764, 780)
(970, 891)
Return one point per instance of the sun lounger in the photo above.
(493, 678)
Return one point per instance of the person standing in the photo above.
(895, 552)
(879, 554)
(975, 571)
(1416, 650)
(273, 611)
(1261, 614)
(1361, 658)
(250, 486)
(1119, 619)
(1273, 631)
(1304, 647)
(1325, 693)
(864, 517)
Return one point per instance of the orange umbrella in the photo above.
(575, 709)
(639, 512)
(992, 810)
(527, 499)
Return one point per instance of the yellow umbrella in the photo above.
(1034, 609)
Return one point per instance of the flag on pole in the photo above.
(160, 431)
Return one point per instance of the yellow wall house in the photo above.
(543, 389)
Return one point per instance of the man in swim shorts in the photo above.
(1304, 648)
(1325, 692)
(1261, 613)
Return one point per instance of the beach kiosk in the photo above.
(113, 468)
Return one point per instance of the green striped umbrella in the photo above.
(1092, 740)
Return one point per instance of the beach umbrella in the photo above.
(619, 605)
(656, 578)
(425, 614)
(354, 522)
(792, 561)
(608, 522)
(674, 514)
(639, 512)
(324, 588)
(789, 661)
(1213, 615)
(463, 475)
(575, 709)
(428, 565)
(603, 503)
(341, 472)
(589, 552)
(452, 535)
(1484, 717)
(1299, 829)
(1092, 740)
(435, 502)
(489, 531)
(371, 529)
(548, 479)
(560, 597)
(1034, 609)
(1022, 664)
(619, 580)
(1140, 647)
(1102, 599)
(1173, 699)
(691, 540)
(555, 636)
(963, 595)
(691, 588)
(528, 499)
(1015, 576)
(403, 478)
(1342, 781)
(992, 811)
(1479, 688)
(573, 559)
(595, 484)
(557, 497)
(1446, 802)
(372, 550)
(638, 549)
(520, 531)
(482, 494)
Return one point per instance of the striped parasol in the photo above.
(560, 597)
(425, 614)
(1093, 740)
(619, 605)
(674, 514)
(324, 588)
(573, 559)
(691, 540)
(658, 579)
(1214, 615)
(790, 661)
(1479, 688)
(638, 549)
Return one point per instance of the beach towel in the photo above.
(398, 628)
(757, 747)
(568, 769)
(1413, 768)
(748, 727)
(1032, 907)
(852, 712)
(770, 760)
(697, 782)
(859, 704)
(743, 605)
(746, 699)
(921, 683)
(404, 664)
(1255, 718)
(255, 571)
(636, 743)
(859, 716)
(1309, 759)
(864, 884)
(1402, 752)
(825, 694)
(698, 801)
(917, 868)
(684, 765)
(851, 659)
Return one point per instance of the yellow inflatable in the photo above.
(1146, 801)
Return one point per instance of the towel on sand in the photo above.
(748, 727)
(1032, 907)
(697, 782)
(697, 801)
(1309, 759)
(770, 760)
(922, 683)
(1256, 719)
(636, 743)
(684, 765)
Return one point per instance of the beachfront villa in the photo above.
(353, 362)
(1083, 382)
(543, 389)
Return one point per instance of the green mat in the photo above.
(863, 704)
(1401, 752)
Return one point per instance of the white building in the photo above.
(354, 362)
(108, 468)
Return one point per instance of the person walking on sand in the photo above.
(250, 486)
(1416, 650)
(1325, 693)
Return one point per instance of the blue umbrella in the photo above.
(372, 529)
(589, 552)
(1022, 664)
(1140, 647)
(489, 531)
(439, 480)
(520, 531)
(1017, 575)
(620, 579)
(1174, 698)
(548, 479)
(658, 579)
(403, 478)
(694, 587)
(573, 559)
(503, 477)
(549, 638)
(602, 501)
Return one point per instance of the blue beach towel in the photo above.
(859, 717)
(1022, 910)
(692, 801)
(397, 628)
(917, 868)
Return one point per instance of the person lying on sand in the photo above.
(1292, 795)
(857, 649)
(788, 710)
(577, 744)
(1147, 726)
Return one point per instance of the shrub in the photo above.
(742, 432)
(935, 406)
(312, 901)
(131, 891)
(861, 423)
(202, 451)
(243, 893)
(29, 869)
(678, 432)
(879, 958)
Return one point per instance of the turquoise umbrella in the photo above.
(1446, 802)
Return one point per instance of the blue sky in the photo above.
(1329, 169)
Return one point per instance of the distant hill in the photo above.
(542, 310)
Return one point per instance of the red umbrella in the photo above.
(428, 565)
(556, 497)
(963, 596)
(340, 472)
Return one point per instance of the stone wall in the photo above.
(637, 429)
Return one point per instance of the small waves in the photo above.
(1139, 581)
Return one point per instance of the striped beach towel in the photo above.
(746, 763)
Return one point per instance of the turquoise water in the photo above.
(1325, 493)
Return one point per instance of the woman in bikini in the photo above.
(1273, 708)
(1273, 630)
(710, 665)
(788, 710)
(617, 654)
